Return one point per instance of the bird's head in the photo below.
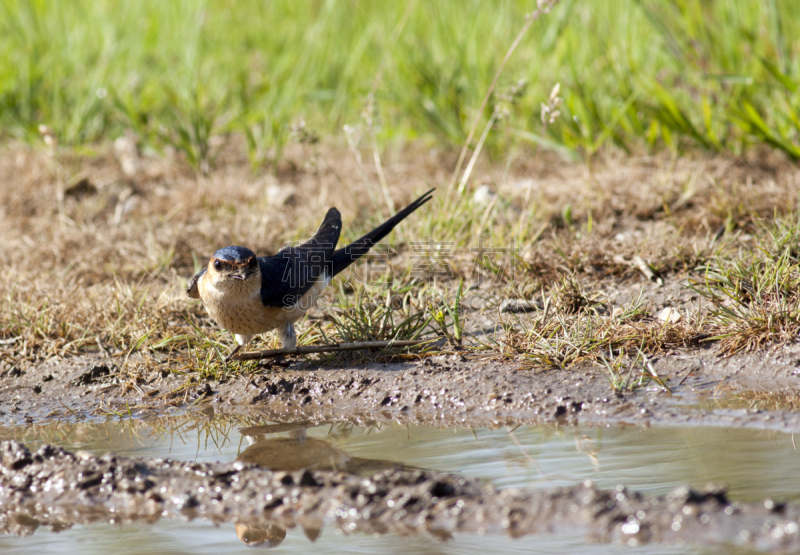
(234, 268)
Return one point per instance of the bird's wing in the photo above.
(289, 274)
(327, 235)
(192, 289)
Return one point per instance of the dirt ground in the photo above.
(96, 323)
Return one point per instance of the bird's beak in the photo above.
(243, 275)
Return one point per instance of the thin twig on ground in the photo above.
(334, 348)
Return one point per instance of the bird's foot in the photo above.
(232, 353)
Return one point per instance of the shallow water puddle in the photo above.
(754, 464)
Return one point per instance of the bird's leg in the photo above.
(241, 341)
(288, 336)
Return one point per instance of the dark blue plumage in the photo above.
(234, 254)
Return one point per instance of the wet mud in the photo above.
(461, 389)
(56, 489)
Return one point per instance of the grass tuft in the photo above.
(558, 338)
(755, 297)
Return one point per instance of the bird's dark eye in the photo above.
(253, 262)
(217, 265)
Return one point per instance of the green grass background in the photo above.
(690, 74)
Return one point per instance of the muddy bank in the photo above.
(461, 390)
(56, 489)
(458, 390)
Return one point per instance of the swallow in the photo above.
(249, 295)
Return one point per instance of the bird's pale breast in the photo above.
(245, 315)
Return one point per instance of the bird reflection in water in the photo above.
(298, 451)
(261, 536)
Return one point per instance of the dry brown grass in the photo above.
(754, 296)
(762, 400)
(575, 326)
(103, 268)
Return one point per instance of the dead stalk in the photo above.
(544, 7)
